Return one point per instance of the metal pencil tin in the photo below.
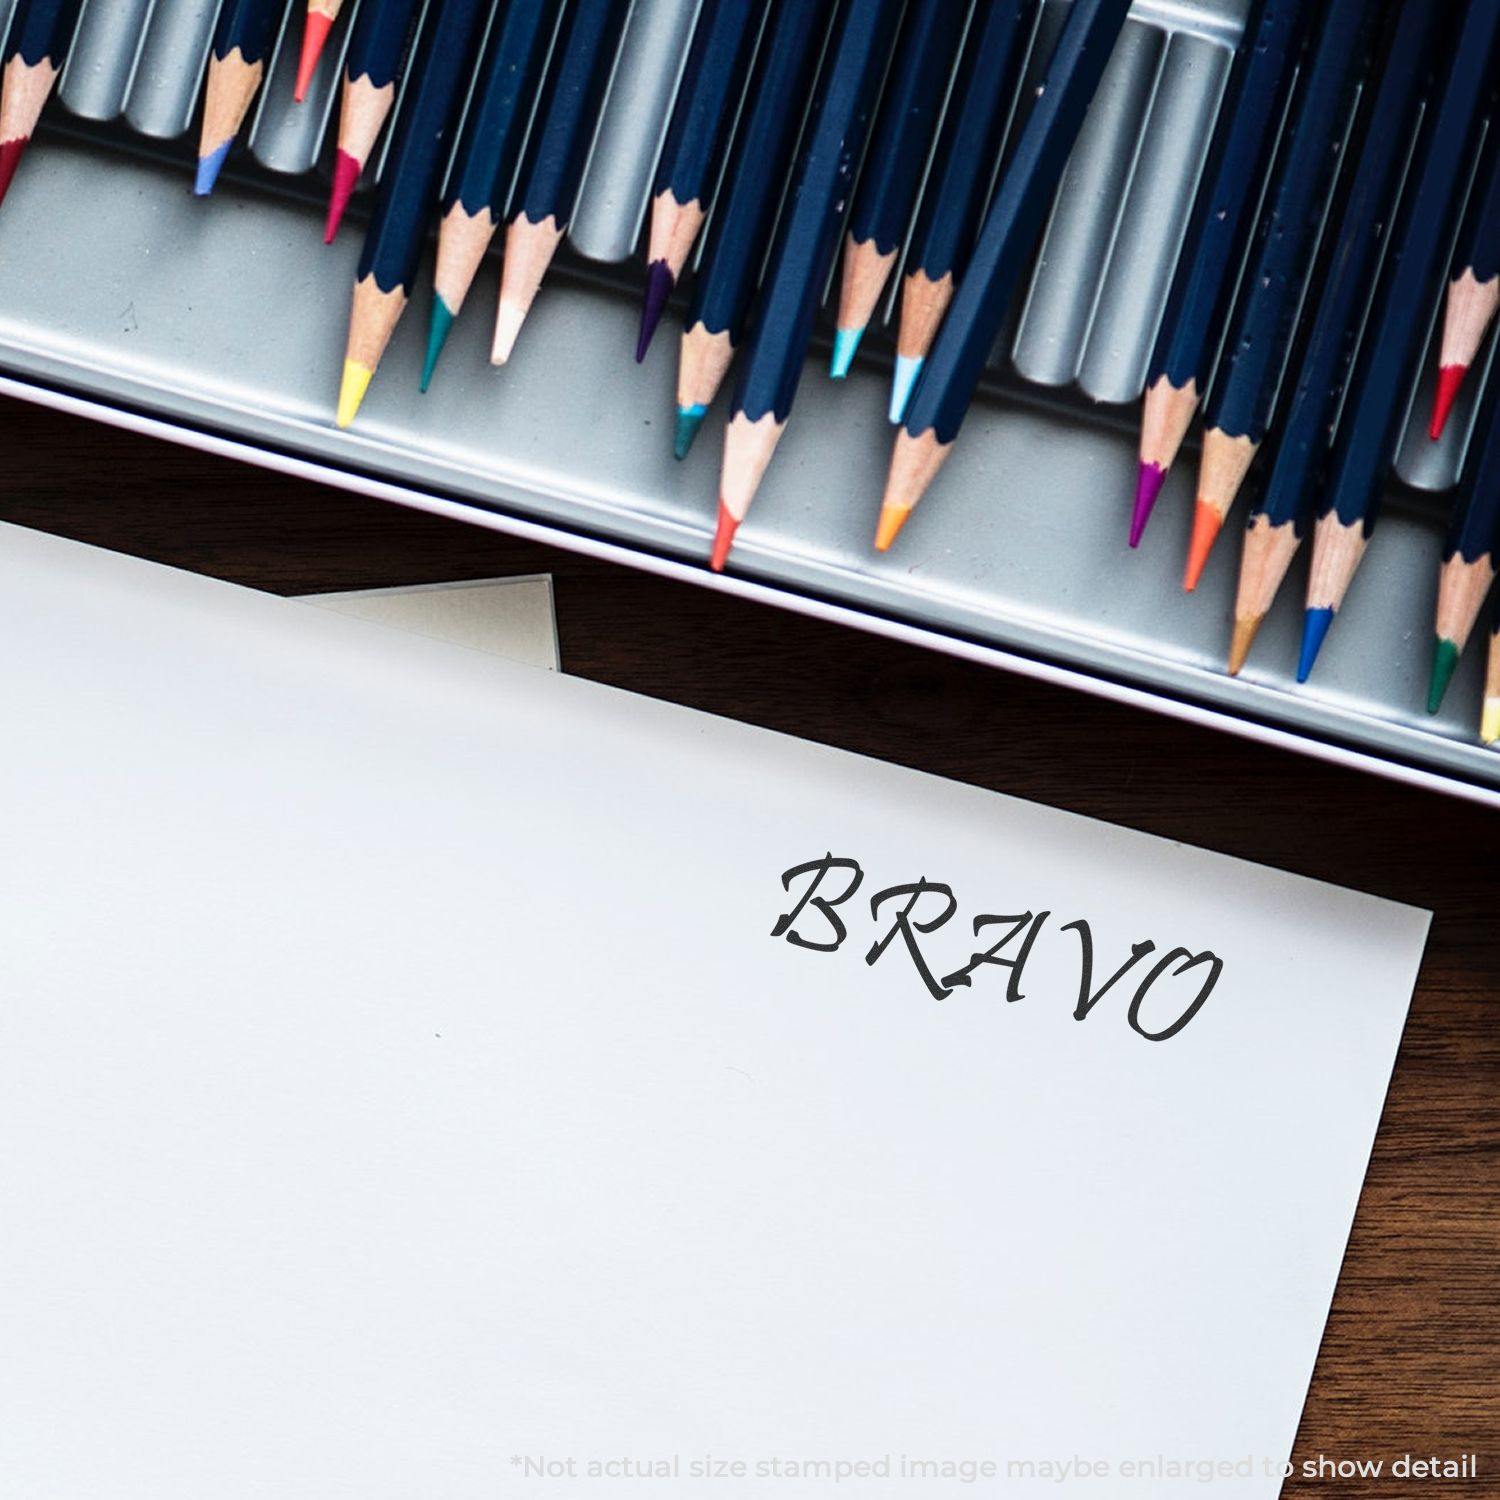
(221, 324)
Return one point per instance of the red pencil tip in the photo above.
(10, 158)
(723, 538)
(345, 179)
(314, 35)
(1450, 380)
(1206, 524)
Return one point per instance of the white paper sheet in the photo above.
(403, 1093)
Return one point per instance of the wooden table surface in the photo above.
(1411, 1360)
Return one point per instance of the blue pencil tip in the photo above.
(902, 384)
(437, 336)
(209, 168)
(689, 420)
(845, 345)
(1315, 625)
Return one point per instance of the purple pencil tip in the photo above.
(659, 284)
(1148, 482)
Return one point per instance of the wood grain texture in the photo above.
(1411, 1361)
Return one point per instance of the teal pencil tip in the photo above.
(689, 420)
(845, 346)
(209, 168)
(1444, 661)
(902, 383)
(1315, 625)
(437, 335)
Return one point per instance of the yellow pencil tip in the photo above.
(1241, 642)
(892, 519)
(1489, 725)
(352, 390)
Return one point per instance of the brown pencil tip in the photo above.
(1241, 642)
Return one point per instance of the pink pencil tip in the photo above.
(1148, 482)
(723, 538)
(10, 158)
(346, 172)
(1450, 380)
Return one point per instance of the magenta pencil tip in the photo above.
(1148, 482)
(659, 284)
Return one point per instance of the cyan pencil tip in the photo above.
(903, 382)
(437, 335)
(689, 420)
(845, 346)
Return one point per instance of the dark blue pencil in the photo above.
(1011, 230)
(236, 65)
(547, 189)
(489, 148)
(1254, 103)
(694, 147)
(803, 256)
(378, 44)
(1474, 291)
(735, 249)
(36, 46)
(1265, 320)
(408, 187)
(892, 171)
(963, 165)
(1468, 567)
(1371, 423)
(1280, 517)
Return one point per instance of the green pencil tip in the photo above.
(1444, 660)
(689, 420)
(437, 336)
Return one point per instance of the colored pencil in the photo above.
(548, 187)
(489, 148)
(963, 165)
(36, 46)
(236, 65)
(1468, 567)
(892, 171)
(1371, 424)
(321, 14)
(1489, 724)
(1265, 319)
(1254, 104)
(802, 257)
(1474, 292)
(1011, 230)
(408, 187)
(377, 51)
(693, 151)
(1281, 515)
(735, 247)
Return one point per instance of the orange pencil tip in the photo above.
(723, 538)
(1206, 524)
(1450, 380)
(314, 36)
(892, 519)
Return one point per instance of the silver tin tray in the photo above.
(225, 320)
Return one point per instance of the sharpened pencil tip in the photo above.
(1315, 624)
(209, 168)
(1449, 382)
(659, 284)
(1206, 524)
(903, 382)
(352, 390)
(346, 170)
(1241, 642)
(1149, 479)
(314, 35)
(437, 335)
(723, 538)
(11, 153)
(1444, 662)
(1489, 723)
(845, 347)
(689, 420)
(892, 518)
(508, 321)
